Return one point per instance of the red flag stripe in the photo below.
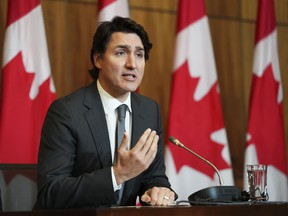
(109, 8)
(104, 3)
(19, 8)
(266, 21)
(187, 17)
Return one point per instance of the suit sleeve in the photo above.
(59, 185)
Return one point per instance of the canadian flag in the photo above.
(110, 8)
(266, 143)
(27, 86)
(195, 116)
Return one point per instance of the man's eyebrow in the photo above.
(138, 48)
(123, 46)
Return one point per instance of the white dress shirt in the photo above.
(110, 105)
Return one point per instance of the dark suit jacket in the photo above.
(0, 202)
(74, 167)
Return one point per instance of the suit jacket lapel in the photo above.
(137, 119)
(96, 120)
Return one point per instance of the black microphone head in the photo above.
(175, 141)
(172, 139)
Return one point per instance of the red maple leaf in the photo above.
(21, 118)
(193, 122)
(266, 121)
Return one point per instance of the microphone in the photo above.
(178, 143)
(211, 194)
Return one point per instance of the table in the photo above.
(235, 209)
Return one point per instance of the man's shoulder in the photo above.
(143, 102)
(141, 98)
(75, 97)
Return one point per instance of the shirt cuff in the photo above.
(115, 186)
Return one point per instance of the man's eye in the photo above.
(120, 53)
(139, 55)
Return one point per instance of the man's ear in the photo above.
(97, 59)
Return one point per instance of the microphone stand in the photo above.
(215, 193)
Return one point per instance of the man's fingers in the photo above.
(124, 144)
(168, 198)
(142, 141)
(145, 198)
(159, 196)
(149, 141)
(151, 152)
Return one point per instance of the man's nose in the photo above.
(131, 62)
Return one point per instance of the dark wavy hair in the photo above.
(103, 35)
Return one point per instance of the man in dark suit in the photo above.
(78, 166)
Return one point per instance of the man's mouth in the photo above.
(128, 75)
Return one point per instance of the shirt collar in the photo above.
(109, 102)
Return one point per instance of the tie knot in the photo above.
(122, 111)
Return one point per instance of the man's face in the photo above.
(121, 68)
